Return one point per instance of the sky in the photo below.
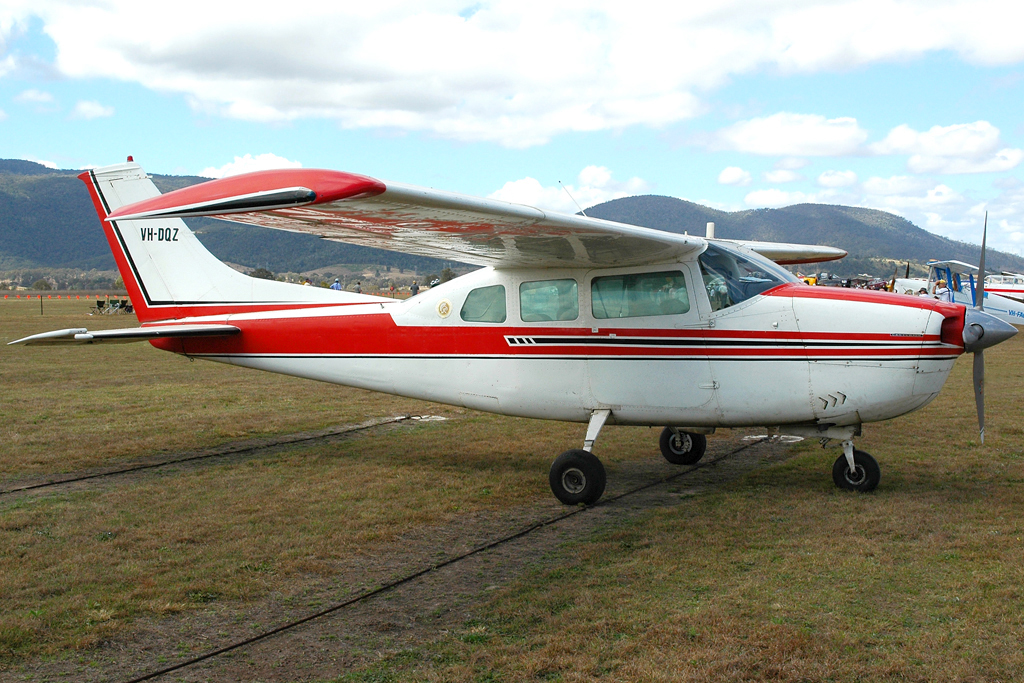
(913, 107)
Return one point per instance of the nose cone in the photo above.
(982, 330)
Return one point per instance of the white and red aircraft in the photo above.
(572, 318)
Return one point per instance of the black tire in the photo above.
(577, 476)
(863, 478)
(682, 448)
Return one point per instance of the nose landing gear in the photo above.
(856, 470)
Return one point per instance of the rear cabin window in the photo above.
(639, 294)
(549, 300)
(731, 278)
(485, 305)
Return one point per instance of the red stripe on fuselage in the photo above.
(376, 334)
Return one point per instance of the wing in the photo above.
(791, 254)
(81, 335)
(958, 264)
(415, 220)
(356, 209)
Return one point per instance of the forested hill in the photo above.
(47, 220)
(867, 234)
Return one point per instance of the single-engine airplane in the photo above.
(571, 318)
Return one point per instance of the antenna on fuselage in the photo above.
(710, 234)
(573, 199)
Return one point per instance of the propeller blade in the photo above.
(979, 299)
(981, 327)
(979, 390)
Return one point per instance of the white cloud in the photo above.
(595, 185)
(3, 115)
(90, 109)
(788, 134)
(782, 175)
(33, 96)
(249, 163)
(960, 148)
(43, 162)
(791, 163)
(734, 175)
(423, 67)
(837, 178)
(773, 198)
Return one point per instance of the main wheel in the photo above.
(682, 448)
(864, 476)
(577, 476)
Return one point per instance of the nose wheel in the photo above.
(856, 470)
(682, 448)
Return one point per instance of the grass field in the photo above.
(777, 576)
(76, 568)
(782, 577)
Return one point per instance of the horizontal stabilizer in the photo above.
(81, 335)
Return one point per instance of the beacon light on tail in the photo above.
(570, 318)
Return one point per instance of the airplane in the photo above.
(569, 318)
(1006, 284)
(960, 279)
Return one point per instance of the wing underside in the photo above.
(425, 222)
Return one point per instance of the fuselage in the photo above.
(655, 344)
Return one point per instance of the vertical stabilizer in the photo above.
(166, 269)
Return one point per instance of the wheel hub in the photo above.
(573, 480)
(856, 476)
(681, 443)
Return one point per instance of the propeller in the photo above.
(982, 330)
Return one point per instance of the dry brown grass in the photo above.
(76, 568)
(781, 577)
(66, 408)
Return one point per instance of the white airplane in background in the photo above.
(960, 279)
(1007, 285)
(572, 318)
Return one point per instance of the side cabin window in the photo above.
(639, 294)
(731, 278)
(485, 305)
(549, 300)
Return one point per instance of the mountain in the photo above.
(867, 234)
(47, 221)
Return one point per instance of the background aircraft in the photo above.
(961, 278)
(571, 318)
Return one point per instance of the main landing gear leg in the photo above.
(855, 470)
(577, 476)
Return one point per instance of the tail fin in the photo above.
(166, 269)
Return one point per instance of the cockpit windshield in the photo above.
(731, 277)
